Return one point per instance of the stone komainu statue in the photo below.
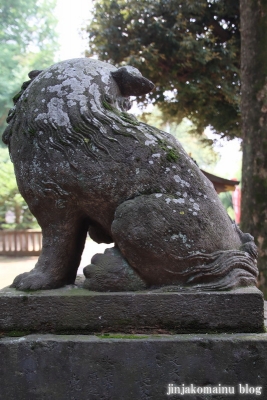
(83, 164)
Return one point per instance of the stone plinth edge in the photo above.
(73, 310)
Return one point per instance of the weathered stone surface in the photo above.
(111, 270)
(83, 164)
(71, 309)
(46, 367)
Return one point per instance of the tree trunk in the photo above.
(253, 14)
(18, 212)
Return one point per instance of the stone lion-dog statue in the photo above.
(84, 164)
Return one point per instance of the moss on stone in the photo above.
(107, 106)
(16, 333)
(172, 155)
(31, 132)
(123, 115)
(121, 336)
(17, 96)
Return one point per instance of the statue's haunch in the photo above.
(83, 164)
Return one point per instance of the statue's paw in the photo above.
(34, 280)
(110, 272)
(101, 280)
(251, 249)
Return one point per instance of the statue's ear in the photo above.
(131, 82)
(34, 73)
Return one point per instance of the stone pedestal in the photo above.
(123, 354)
(84, 367)
(74, 310)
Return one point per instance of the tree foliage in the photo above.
(227, 201)
(189, 49)
(27, 42)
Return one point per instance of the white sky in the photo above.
(73, 15)
(229, 164)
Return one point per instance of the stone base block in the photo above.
(133, 367)
(74, 310)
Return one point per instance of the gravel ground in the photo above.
(10, 267)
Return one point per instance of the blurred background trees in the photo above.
(190, 50)
(27, 41)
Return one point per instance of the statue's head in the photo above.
(71, 98)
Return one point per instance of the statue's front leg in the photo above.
(63, 243)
